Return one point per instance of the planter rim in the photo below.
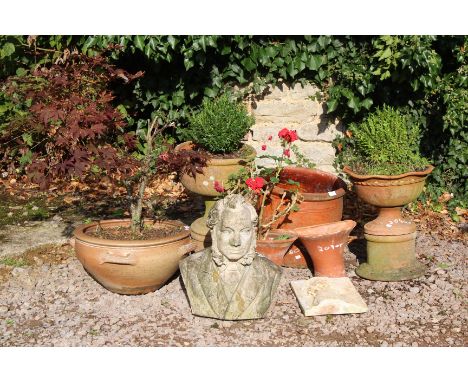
(309, 196)
(327, 229)
(218, 161)
(80, 234)
(291, 233)
(355, 175)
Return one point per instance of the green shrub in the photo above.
(386, 143)
(219, 125)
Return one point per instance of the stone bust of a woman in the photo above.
(229, 280)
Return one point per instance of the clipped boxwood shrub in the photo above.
(219, 125)
(386, 142)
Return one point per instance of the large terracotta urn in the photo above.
(131, 266)
(216, 169)
(322, 202)
(391, 238)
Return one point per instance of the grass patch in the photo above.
(443, 265)
(16, 262)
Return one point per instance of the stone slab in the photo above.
(326, 295)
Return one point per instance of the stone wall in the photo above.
(293, 108)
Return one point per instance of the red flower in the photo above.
(287, 153)
(263, 147)
(270, 137)
(255, 184)
(218, 186)
(288, 135)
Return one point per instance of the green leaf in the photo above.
(248, 64)
(20, 72)
(139, 42)
(172, 41)
(225, 50)
(332, 105)
(291, 69)
(27, 138)
(188, 63)
(353, 103)
(274, 180)
(212, 93)
(314, 62)
(367, 103)
(7, 50)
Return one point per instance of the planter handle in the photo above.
(113, 258)
(187, 248)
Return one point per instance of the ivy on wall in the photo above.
(424, 74)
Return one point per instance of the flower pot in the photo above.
(322, 202)
(131, 266)
(217, 169)
(325, 244)
(390, 237)
(274, 249)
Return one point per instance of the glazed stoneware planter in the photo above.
(391, 239)
(273, 248)
(322, 194)
(203, 184)
(131, 266)
(325, 244)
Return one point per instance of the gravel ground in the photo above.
(58, 304)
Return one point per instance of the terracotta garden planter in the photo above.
(323, 194)
(325, 244)
(203, 184)
(275, 249)
(131, 266)
(390, 237)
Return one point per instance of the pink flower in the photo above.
(263, 147)
(218, 186)
(164, 156)
(270, 137)
(286, 153)
(255, 184)
(288, 135)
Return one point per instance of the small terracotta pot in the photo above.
(274, 249)
(203, 184)
(325, 244)
(323, 194)
(131, 266)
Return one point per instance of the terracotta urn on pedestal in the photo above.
(275, 245)
(217, 169)
(325, 244)
(391, 239)
(322, 202)
(131, 266)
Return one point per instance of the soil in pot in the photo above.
(149, 232)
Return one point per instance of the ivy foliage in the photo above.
(422, 75)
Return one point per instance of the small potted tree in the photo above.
(137, 255)
(71, 130)
(387, 171)
(216, 130)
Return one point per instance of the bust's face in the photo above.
(235, 233)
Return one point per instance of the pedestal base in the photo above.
(368, 272)
(200, 234)
(391, 258)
